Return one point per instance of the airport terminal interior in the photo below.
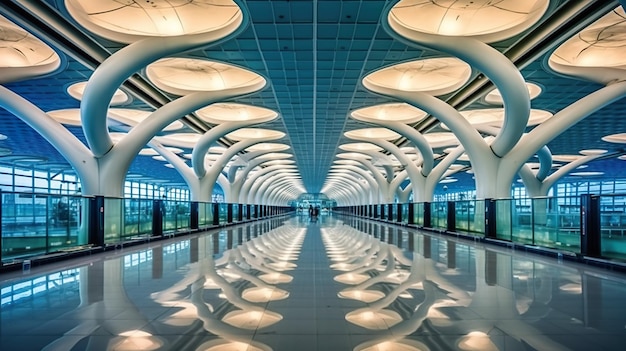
(312, 175)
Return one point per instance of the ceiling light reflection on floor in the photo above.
(399, 345)
(366, 296)
(374, 320)
(225, 345)
(251, 320)
(351, 278)
(477, 340)
(135, 340)
(263, 294)
(276, 278)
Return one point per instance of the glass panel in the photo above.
(503, 219)
(461, 215)
(418, 214)
(439, 214)
(235, 212)
(613, 226)
(183, 215)
(113, 220)
(23, 225)
(556, 222)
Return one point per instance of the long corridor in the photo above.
(297, 284)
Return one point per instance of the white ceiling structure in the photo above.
(316, 71)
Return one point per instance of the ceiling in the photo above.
(314, 55)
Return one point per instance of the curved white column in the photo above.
(237, 183)
(193, 183)
(116, 69)
(374, 187)
(74, 151)
(245, 195)
(208, 181)
(359, 192)
(260, 192)
(492, 63)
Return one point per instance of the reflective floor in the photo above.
(322, 285)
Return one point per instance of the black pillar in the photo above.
(216, 213)
(248, 211)
(240, 212)
(490, 218)
(399, 217)
(427, 212)
(411, 214)
(194, 215)
(590, 239)
(229, 213)
(96, 221)
(390, 212)
(451, 216)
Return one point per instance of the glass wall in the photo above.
(38, 224)
(439, 214)
(470, 216)
(613, 226)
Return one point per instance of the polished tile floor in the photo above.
(324, 285)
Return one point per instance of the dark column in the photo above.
(399, 234)
(490, 218)
(193, 213)
(390, 212)
(411, 241)
(96, 221)
(590, 225)
(229, 213)
(216, 213)
(240, 212)
(411, 214)
(399, 217)
(1, 250)
(375, 212)
(248, 211)
(451, 216)
(427, 222)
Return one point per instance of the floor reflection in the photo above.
(313, 285)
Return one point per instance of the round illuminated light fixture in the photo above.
(372, 133)
(159, 158)
(615, 138)
(76, 91)
(360, 147)
(268, 147)
(153, 152)
(623, 157)
(391, 112)
(353, 156)
(184, 140)
(586, 174)
(494, 117)
(597, 52)
(397, 345)
(233, 112)
(495, 98)
(448, 180)
(254, 133)
(485, 20)
(275, 156)
(22, 55)
(183, 76)
(435, 76)
(441, 139)
(3, 137)
(339, 164)
(279, 162)
(565, 158)
(132, 117)
(69, 116)
(590, 152)
(129, 21)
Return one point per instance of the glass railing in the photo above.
(613, 226)
(556, 222)
(470, 216)
(34, 224)
(418, 214)
(39, 224)
(439, 215)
